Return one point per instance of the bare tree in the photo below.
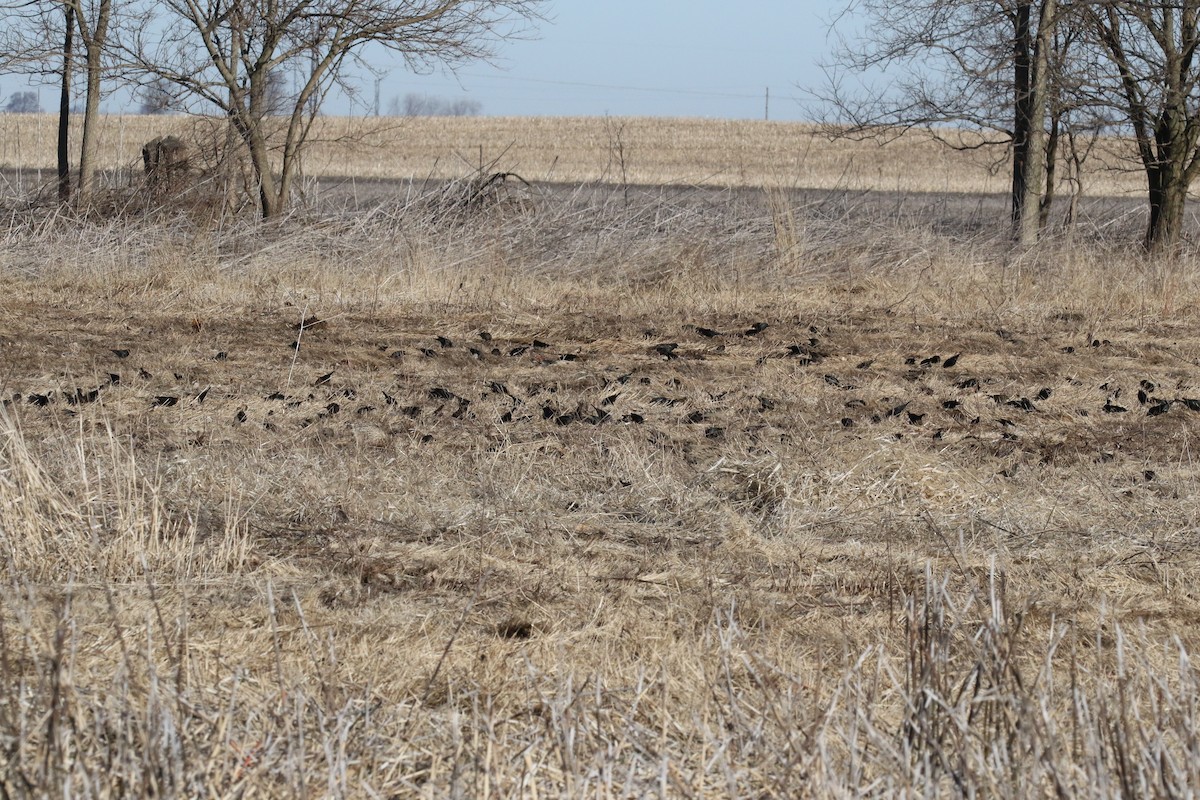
(985, 65)
(25, 102)
(64, 105)
(222, 53)
(155, 97)
(1148, 53)
(55, 39)
(92, 21)
(424, 105)
(38, 39)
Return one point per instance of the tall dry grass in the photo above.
(477, 529)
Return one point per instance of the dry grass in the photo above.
(688, 152)
(602, 494)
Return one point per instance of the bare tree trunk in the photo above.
(91, 115)
(1052, 142)
(1168, 200)
(1022, 83)
(1075, 177)
(1029, 147)
(269, 200)
(94, 42)
(64, 108)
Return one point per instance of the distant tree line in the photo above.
(22, 103)
(424, 105)
(266, 68)
(1044, 78)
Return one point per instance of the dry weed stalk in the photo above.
(601, 498)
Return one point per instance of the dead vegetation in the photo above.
(569, 150)
(644, 492)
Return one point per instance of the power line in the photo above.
(617, 87)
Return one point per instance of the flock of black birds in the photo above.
(707, 379)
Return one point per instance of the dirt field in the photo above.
(606, 494)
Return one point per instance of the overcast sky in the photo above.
(695, 58)
(682, 58)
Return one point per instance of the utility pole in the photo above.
(767, 105)
(378, 80)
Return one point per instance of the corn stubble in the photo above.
(606, 495)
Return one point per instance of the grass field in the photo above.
(604, 493)
(688, 152)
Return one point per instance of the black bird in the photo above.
(80, 396)
(444, 342)
(324, 379)
(667, 349)
(121, 353)
(707, 333)
(164, 401)
(1162, 407)
(951, 361)
(757, 328)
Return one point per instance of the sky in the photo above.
(680, 58)
(670, 58)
